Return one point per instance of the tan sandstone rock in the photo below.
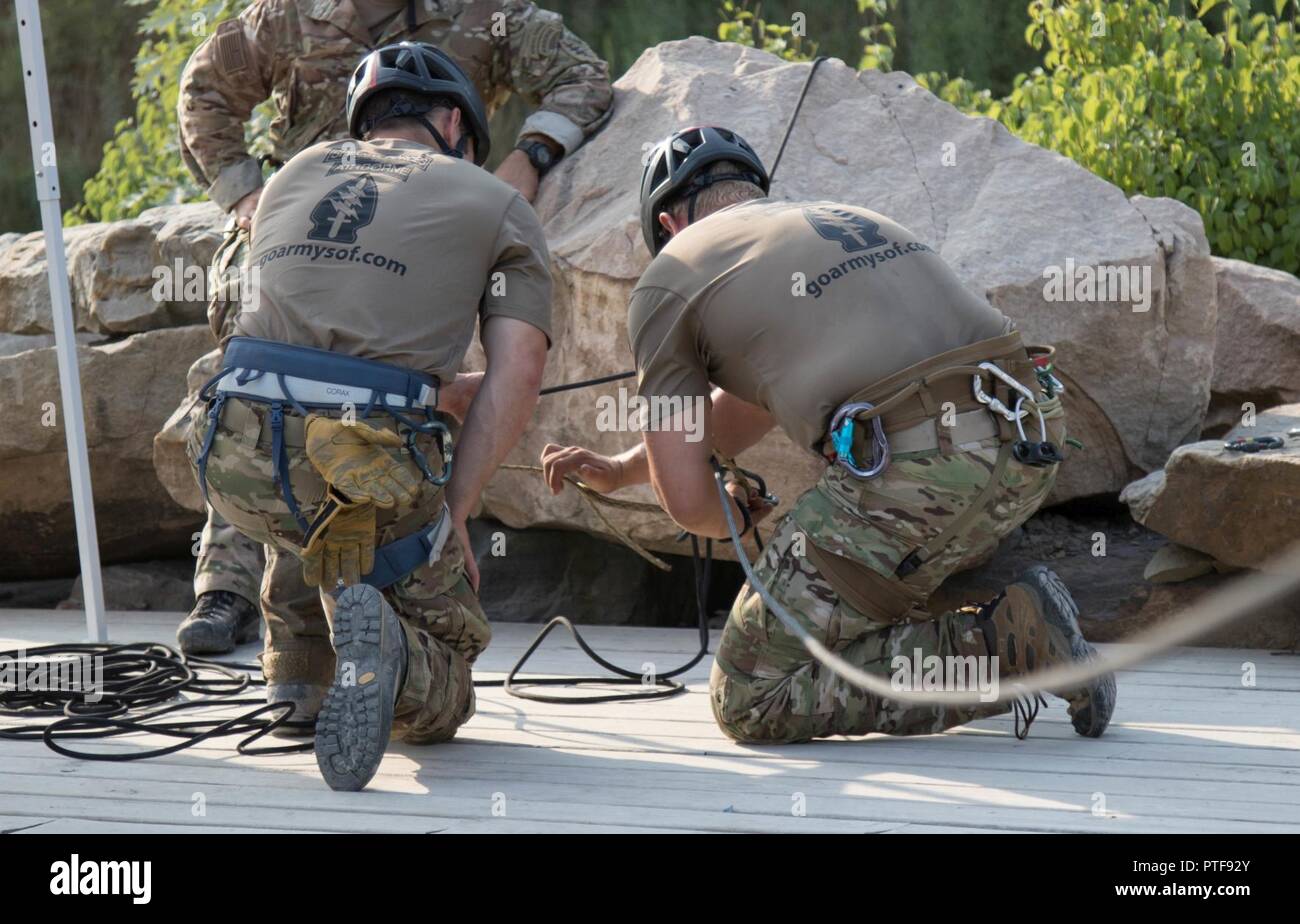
(1239, 508)
(129, 388)
(1257, 353)
(170, 461)
(1005, 212)
(113, 271)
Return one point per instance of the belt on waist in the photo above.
(982, 386)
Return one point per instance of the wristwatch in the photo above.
(539, 155)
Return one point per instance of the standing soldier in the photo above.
(299, 54)
(323, 437)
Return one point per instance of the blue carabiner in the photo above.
(841, 431)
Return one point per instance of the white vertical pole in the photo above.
(74, 422)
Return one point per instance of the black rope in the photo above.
(664, 683)
(117, 681)
(771, 174)
(586, 383)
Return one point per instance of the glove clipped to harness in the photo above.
(362, 475)
(340, 545)
(353, 459)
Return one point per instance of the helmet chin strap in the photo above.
(458, 151)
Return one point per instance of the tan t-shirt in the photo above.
(390, 251)
(719, 305)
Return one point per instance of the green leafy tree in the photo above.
(745, 25)
(142, 166)
(1201, 108)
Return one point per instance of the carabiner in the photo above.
(994, 404)
(841, 431)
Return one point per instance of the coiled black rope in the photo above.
(115, 682)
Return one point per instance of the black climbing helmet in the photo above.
(424, 70)
(673, 168)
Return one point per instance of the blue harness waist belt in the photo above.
(276, 374)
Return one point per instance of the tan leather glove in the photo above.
(353, 458)
(340, 544)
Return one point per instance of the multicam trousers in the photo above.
(766, 688)
(445, 627)
(228, 560)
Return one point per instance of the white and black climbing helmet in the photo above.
(422, 70)
(673, 169)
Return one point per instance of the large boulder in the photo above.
(129, 388)
(114, 271)
(1257, 354)
(171, 462)
(1002, 212)
(1240, 508)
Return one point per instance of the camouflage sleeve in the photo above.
(554, 70)
(226, 77)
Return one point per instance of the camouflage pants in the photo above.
(765, 687)
(228, 560)
(444, 625)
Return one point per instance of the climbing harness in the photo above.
(277, 374)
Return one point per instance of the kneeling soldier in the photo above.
(940, 428)
(324, 437)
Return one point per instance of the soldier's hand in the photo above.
(246, 207)
(600, 473)
(519, 172)
(754, 502)
(461, 533)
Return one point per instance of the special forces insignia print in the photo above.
(347, 209)
(849, 230)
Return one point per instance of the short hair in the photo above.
(718, 195)
(399, 105)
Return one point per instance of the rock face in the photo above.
(129, 387)
(114, 270)
(170, 461)
(1257, 354)
(1239, 508)
(1000, 211)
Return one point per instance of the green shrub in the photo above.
(1201, 108)
(142, 165)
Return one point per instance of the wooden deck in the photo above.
(1191, 750)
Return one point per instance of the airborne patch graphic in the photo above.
(347, 209)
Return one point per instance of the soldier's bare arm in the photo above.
(226, 77)
(736, 425)
(516, 356)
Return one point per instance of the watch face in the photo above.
(541, 154)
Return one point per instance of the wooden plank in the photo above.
(1192, 750)
(739, 811)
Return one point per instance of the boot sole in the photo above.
(1060, 610)
(356, 719)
